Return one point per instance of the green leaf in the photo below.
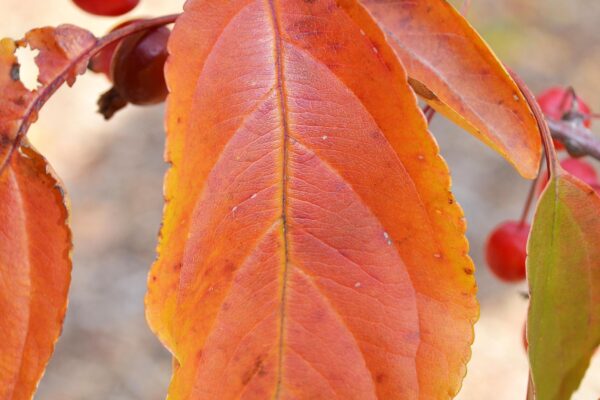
(563, 326)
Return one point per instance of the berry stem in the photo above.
(46, 92)
(429, 113)
(466, 6)
(569, 95)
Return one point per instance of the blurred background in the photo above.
(113, 173)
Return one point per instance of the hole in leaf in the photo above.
(28, 71)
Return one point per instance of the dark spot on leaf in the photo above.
(19, 101)
(450, 201)
(468, 271)
(5, 139)
(421, 89)
(380, 377)
(15, 72)
(229, 267)
(257, 369)
(335, 46)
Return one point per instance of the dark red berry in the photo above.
(137, 71)
(108, 8)
(557, 102)
(506, 251)
(576, 167)
(581, 169)
(101, 62)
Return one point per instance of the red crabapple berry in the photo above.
(107, 8)
(579, 168)
(100, 63)
(557, 103)
(137, 72)
(506, 251)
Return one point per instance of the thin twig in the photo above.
(530, 197)
(578, 140)
(429, 113)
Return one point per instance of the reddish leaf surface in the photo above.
(35, 269)
(457, 73)
(59, 52)
(311, 247)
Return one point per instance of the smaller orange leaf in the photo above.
(62, 55)
(35, 269)
(455, 71)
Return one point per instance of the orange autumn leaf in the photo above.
(35, 270)
(62, 55)
(310, 246)
(455, 71)
(35, 241)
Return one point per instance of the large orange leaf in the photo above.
(458, 75)
(35, 270)
(310, 247)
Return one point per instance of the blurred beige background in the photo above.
(113, 172)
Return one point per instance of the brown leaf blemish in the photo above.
(15, 72)
(257, 369)
(421, 89)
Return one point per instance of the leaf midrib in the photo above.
(280, 85)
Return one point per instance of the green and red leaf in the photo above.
(563, 326)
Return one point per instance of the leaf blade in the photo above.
(456, 72)
(35, 268)
(564, 276)
(280, 190)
